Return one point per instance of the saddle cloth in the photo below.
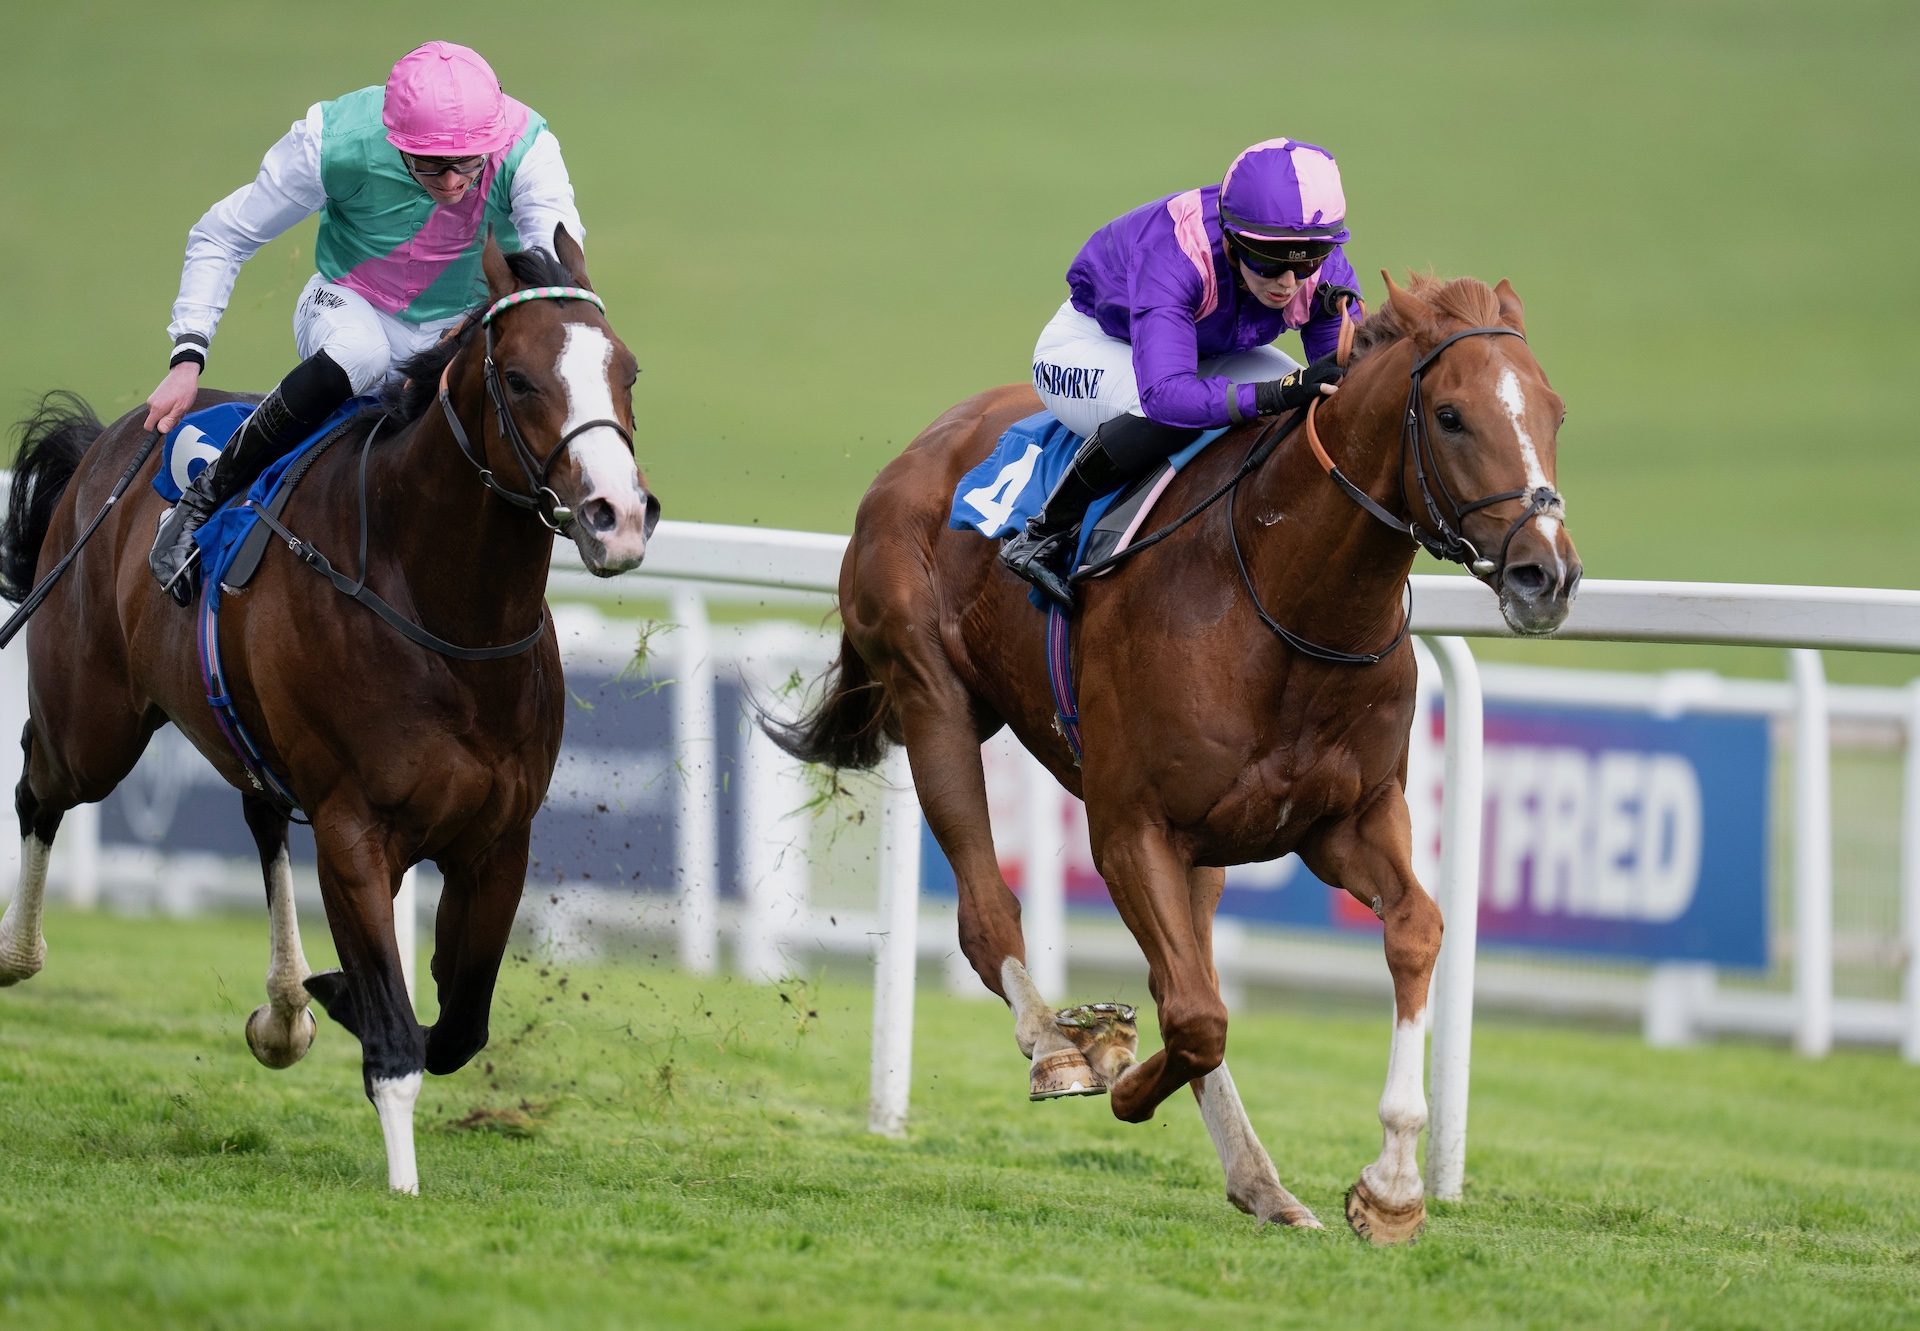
(194, 443)
(997, 497)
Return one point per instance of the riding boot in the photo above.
(307, 396)
(1115, 453)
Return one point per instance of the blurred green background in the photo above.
(819, 225)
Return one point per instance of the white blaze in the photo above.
(603, 456)
(1514, 399)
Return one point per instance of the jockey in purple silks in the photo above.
(408, 180)
(1167, 329)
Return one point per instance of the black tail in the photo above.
(52, 442)
(850, 724)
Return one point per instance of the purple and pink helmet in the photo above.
(444, 101)
(1282, 190)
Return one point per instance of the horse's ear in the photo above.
(1409, 311)
(567, 250)
(1512, 313)
(493, 262)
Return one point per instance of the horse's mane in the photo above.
(1466, 299)
(412, 390)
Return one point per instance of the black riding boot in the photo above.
(307, 396)
(1118, 451)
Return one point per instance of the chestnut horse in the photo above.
(1245, 690)
(398, 751)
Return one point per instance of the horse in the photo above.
(1245, 689)
(398, 744)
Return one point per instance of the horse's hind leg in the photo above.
(23, 951)
(477, 906)
(281, 1031)
(1370, 855)
(943, 746)
(1253, 1184)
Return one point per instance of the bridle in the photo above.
(1441, 537)
(540, 498)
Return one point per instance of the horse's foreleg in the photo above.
(281, 1031)
(943, 748)
(358, 876)
(1253, 1184)
(1370, 856)
(1149, 883)
(477, 906)
(23, 950)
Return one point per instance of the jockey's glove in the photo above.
(1296, 390)
(1326, 300)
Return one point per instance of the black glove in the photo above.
(1327, 300)
(1297, 389)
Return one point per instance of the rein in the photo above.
(541, 499)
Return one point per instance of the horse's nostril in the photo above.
(598, 514)
(1527, 580)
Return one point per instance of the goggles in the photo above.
(1302, 258)
(432, 168)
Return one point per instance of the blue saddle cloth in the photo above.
(997, 497)
(197, 441)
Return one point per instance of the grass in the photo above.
(819, 224)
(640, 1147)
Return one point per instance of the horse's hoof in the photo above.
(17, 963)
(1274, 1205)
(1382, 1225)
(1063, 1072)
(279, 1053)
(1105, 1033)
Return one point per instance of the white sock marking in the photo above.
(393, 1099)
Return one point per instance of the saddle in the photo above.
(234, 539)
(998, 496)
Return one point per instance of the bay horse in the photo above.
(398, 751)
(1245, 690)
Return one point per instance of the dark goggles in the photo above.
(432, 168)
(1269, 259)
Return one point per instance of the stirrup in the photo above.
(1031, 558)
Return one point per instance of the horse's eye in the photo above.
(519, 384)
(1449, 418)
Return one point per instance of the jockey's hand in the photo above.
(1299, 388)
(173, 398)
(1327, 299)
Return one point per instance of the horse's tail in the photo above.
(848, 725)
(52, 442)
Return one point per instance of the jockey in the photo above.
(408, 181)
(1165, 334)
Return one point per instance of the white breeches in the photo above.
(365, 342)
(1085, 378)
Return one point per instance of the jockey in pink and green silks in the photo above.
(408, 180)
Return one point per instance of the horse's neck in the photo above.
(1324, 566)
(475, 566)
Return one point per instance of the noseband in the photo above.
(541, 499)
(1441, 537)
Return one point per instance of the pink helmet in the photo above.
(444, 101)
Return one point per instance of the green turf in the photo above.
(641, 1148)
(819, 225)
